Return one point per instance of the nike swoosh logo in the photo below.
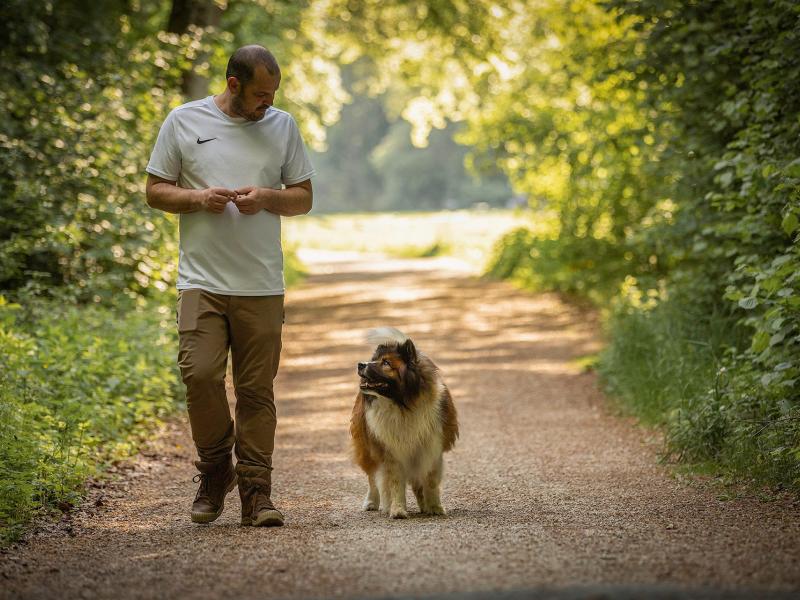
(199, 141)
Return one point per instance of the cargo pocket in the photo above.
(188, 307)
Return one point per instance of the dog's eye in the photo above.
(385, 363)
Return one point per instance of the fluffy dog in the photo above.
(403, 420)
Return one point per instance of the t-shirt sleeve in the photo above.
(297, 166)
(165, 161)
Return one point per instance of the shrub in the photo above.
(79, 387)
(585, 267)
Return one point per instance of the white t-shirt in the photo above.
(199, 146)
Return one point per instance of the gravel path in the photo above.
(546, 491)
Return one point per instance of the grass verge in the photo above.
(465, 234)
(79, 388)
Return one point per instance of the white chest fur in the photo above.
(413, 437)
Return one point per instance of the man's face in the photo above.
(253, 100)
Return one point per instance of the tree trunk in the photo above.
(200, 13)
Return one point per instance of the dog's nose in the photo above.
(361, 367)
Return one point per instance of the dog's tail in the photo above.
(385, 335)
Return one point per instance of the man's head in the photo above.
(253, 78)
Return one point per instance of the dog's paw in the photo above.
(369, 505)
(398, 513)
(436, 509)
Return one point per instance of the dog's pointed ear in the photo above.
(408, 352)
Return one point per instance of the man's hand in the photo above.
(296, 199)
(249, 200)
(213, 200)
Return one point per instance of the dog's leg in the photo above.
(420, 495)
(373, 499)
(393, 490)
(383, 489)
(431, 489)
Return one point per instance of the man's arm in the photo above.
(296, 199)
(167, 196)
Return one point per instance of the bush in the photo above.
(673, 364)
(581, 267)
(79, 387)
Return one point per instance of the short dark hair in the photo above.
(243, 62)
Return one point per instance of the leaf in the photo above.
(760, 342)
(782, 259)
(793, 168)
(721, 165)
(748, 303)
(768, 378)
(789, 223)
(777, 338)
(771, 284)
(774, 323)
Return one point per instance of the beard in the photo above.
(237, 106)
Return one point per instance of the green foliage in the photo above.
(81, 106)
(585, 267)
(293, 270)
(666, 135)
(665, 355)
(677, 366)
(311, 83)
(78, 388)
(728, 76)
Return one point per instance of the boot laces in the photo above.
(203, 479)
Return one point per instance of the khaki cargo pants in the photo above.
(208, 325)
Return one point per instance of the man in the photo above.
(220, 163)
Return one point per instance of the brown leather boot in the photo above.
(257, 508)
(216, 480)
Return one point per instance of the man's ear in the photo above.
(234, 85)
(408, 352)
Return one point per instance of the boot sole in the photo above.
(268, 518)
(198, 517)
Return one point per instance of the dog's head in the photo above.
(392, 373)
